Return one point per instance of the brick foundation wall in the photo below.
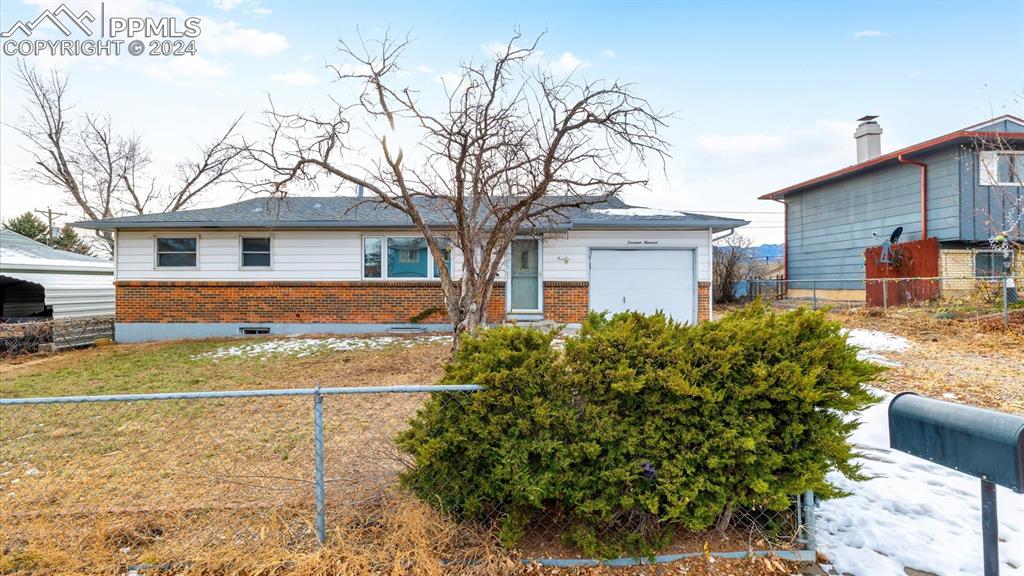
(354, 302)
(289, 302)
(703, 301)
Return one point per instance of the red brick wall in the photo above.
(295, 302)
(331, 302)
(703, 301)
(566, 302)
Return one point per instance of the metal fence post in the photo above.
(885, 296)
(1006, 302)
(318, 440)
(814, 294)
(810, 525)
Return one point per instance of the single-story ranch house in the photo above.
(344, 265)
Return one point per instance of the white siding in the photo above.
(336, 255)
(565, 255)
(295, 255)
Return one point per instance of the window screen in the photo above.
(176, 252)
(256, 252)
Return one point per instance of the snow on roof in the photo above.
(19, 252)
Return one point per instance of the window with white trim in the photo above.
(178, 252)
(401, 257)
(1001, 168)
(255, 252)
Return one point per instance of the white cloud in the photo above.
(297, 77)
(739, 144)
(609, 53)
(230, 37)
(424, 69)
(226, 5)
(567, 63)
(449, 79)
(250, 7)
(867, 34)
(185, 70)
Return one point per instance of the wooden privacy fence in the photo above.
(912, 266)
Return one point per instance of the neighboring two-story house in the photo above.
(341, 264)
(963, 188)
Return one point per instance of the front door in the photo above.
(525, 275)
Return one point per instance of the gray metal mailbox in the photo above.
(975, 441)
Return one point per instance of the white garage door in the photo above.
(644, 281)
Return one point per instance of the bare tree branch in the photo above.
(103, 173)
(510, 153)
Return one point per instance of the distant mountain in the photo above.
(769, 251)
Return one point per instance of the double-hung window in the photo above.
(401, 257)
(180, 252)
(256, 252)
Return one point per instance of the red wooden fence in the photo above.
(917, 259)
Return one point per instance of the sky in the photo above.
(762, 94)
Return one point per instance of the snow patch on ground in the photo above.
(306, 346)
(873, 343)
(912, 513)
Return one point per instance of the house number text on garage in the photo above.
(641, 242)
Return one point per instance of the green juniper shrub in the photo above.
(493, 454)
(643, 426)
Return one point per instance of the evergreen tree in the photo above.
(28, 225)
(70, 240)
(33, 227)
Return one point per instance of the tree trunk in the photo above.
(469, 310)
(725, 519)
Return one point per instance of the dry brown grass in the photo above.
(223, 487)
(972, 364)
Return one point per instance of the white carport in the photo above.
(36, 280)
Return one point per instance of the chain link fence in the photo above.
(20, 336)
(990, 301)
(136, 482)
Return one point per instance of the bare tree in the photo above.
(731, 263)
(512, 149)
(103, 173)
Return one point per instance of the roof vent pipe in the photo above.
(869, 139)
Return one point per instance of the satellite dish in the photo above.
(887, 245)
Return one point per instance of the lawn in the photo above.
(950, 360)
(224, 486)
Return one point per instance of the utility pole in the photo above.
(49, 223)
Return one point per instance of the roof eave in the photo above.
(290, 225)
(716, 225)
(947, 139)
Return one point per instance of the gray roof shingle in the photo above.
(355, 213)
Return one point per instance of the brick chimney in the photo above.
(869, 139)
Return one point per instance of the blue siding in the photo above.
(829, 227)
